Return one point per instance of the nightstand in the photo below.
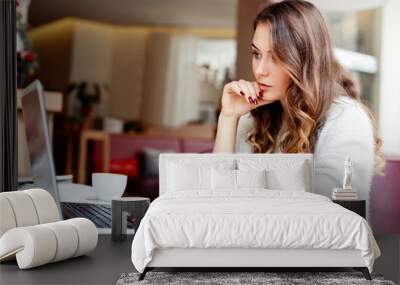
(123, 207)
(357, 206)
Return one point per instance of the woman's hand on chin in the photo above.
(240, 97)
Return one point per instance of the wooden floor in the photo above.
(103, 266)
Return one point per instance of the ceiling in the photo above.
(183, 13)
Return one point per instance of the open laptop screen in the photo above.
(37, 134)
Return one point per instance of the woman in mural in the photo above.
(302, 101)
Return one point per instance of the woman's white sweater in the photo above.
(347, 131)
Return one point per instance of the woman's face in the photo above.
(270, 76)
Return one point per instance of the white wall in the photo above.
(127, 73)
(155, 78)
(389, 111)
(91, 56)
(150, 72)
(171, 88)
(113, 56)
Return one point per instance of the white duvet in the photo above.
(252, 218)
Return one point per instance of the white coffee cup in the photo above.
(108, 185)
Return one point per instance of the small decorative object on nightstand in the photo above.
(357, 206)
(346, 192)
(121, 208)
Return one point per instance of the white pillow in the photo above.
(251, 178)
(182, 178)
(281, 174)
(293, 180)
(227, 179)
(223, 179)
(183, 174)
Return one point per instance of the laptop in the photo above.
(37, 135)
(41, 155)
(79, 200)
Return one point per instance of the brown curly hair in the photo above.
(301, 44)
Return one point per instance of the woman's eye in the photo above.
(256, 55)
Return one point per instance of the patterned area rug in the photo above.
(229, 278)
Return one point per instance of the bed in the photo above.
(245, 211)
